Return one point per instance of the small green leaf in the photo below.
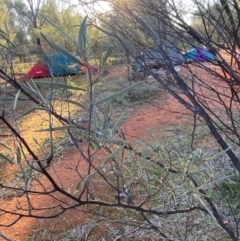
(49, 96)
(28, 171)
(82, 35)
(5, 145)
(218, 154)
(6, 158)
(38, 91)
(75, 192)
(69, 189)
(95, 145)
(116, 141)
(59, 128)
(30, 111)
(221, 179)
(198, 171)
(74, 103)
(36, 141)
(114, 154)
(94, 120)
(107, 54)
(108, 111)
(16, 100)
(115, 95)
(19, 159)
(88, 178)
(59, 85)
(78, 185)
(117, 123)
(21, 44)
(29, 88)
(48, 140)
(107, 117)
(106, 125)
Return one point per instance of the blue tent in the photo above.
(199, 54)
(59, 64)
(53, 65)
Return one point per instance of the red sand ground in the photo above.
(139, 121)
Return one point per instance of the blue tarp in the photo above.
(199, 54)
(59, 64)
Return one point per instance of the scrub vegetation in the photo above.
(134, 147)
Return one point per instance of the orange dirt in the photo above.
(139, 121)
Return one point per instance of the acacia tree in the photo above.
(169, 190)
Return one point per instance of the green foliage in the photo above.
(82, 36)
(58, 85)
(63, 33)
(144, 93)
(20, 68)
(4, 158)
(119, 93)
(62, 25)
(121, 100)
(115, 61)
(230, 191)
(107, 54)
(74, 234)
(7, 30)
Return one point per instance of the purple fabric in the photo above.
(200, 55)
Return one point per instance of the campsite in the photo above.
(150, 114)
(53, 65)
(56, 65)
(120, 123)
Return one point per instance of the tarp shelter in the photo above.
(54, 64)
(152, 58)
(199, 54)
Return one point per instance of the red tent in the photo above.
(38, 70)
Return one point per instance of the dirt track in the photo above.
(136, 126)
